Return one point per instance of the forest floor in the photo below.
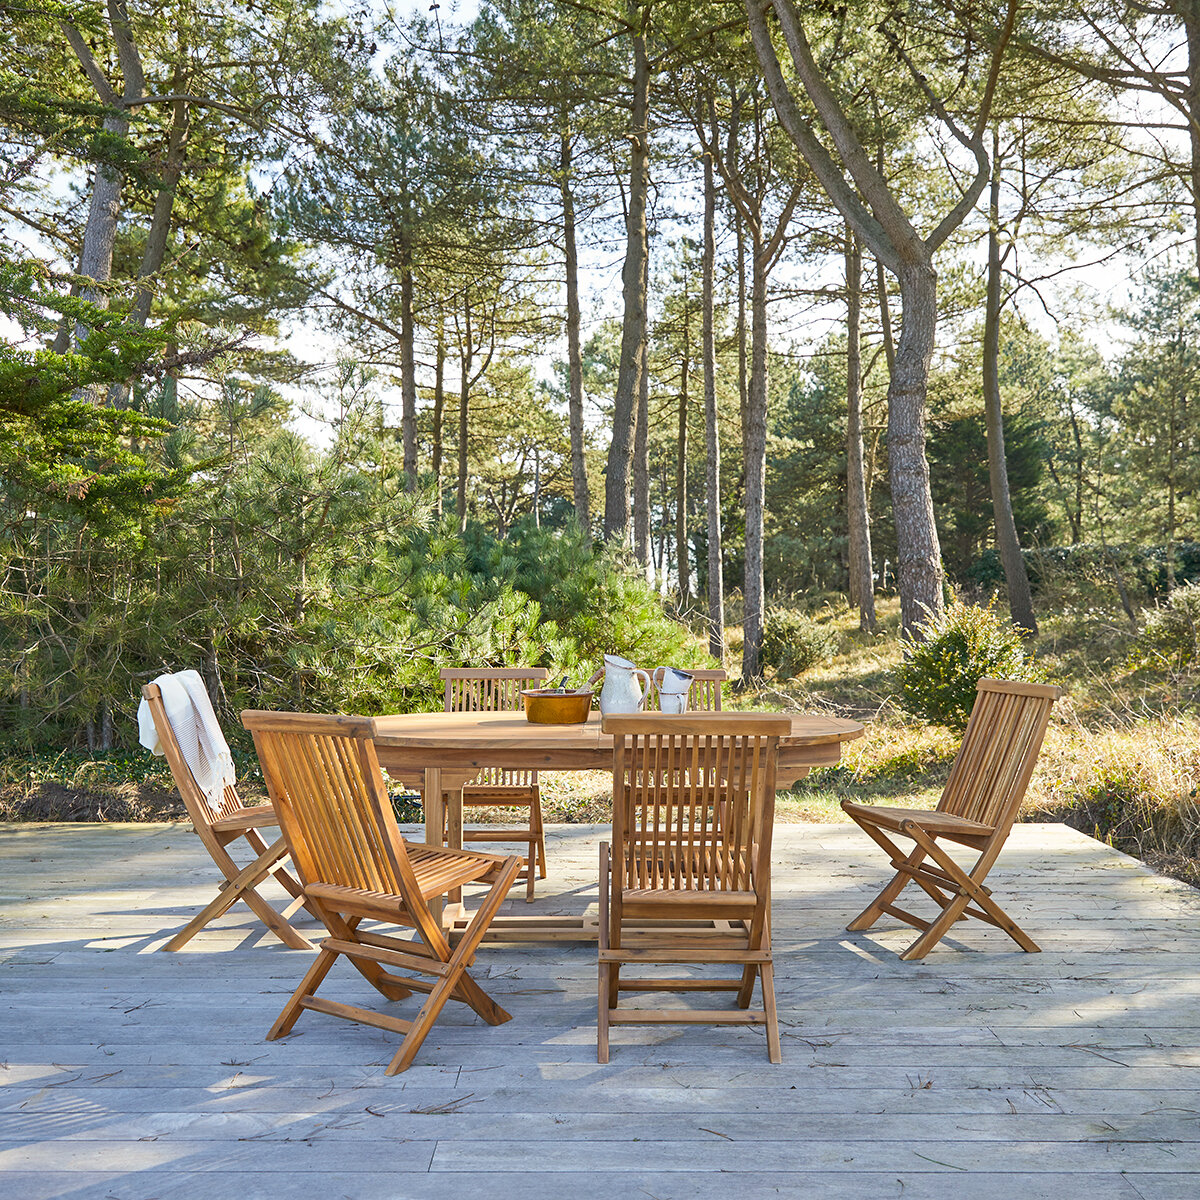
(1121, 760)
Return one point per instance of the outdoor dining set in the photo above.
(684, 882)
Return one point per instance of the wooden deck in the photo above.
(982, 1072)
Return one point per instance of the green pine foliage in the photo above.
(1170, 636)
(291, 577)
(793, 642)
(968, 643)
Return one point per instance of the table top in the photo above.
(511, 731)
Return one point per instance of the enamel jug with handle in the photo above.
(622, 692)
(674, 687)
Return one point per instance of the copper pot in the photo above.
(547, 706)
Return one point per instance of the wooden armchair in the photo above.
(218, 830)
(323, 777)
(978, 807)
(498, 689)
(693, 809)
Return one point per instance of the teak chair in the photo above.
(323, 777)
(217, 830)
(498, 689)
(705, 693)
(693, 809)
(978, 806)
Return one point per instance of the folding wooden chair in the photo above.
(498, 689)
(323, 777)
(705, 693)
(986, 786)
(693, 809)
(217, 830)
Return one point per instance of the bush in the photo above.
(793, 642)
(966, 644)
(1171, 634)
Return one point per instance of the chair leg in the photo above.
(530, 871)
(456, 982)
(767, 975)
(899, 882)
(240, 885)
(970, 889)
(370, 970)
(284, 877)
(313, 978)
(537, 827)
(602, 1017)
(602, 942)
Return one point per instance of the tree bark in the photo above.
(858, 517)
(466, 359)
(164, 205)
(712, 440)
(104, 206)
(918, 554)
(620, 453)
(439, 412)
(641, 472)
(579, 479)
(683, 557)
(408, 371)
(755, 439)
(743, 338)
(1020, 599)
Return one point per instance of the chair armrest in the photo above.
(248, 818)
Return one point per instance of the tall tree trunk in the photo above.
(408, 372)
(620, 453)
(919, 556)
(743, 339)
(1189, 13)
(1172, 483)
(867, 201)
(439, 411)
(466, 359)
(104, 206)
(579, 479)
(164, 204)
(1020, 600)
(641, 473)
(858, 517)
(681, 452)
(712, 440)
(885, 317)
(755, 438)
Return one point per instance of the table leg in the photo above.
(454, 835)
(435, 822)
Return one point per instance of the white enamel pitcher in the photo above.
(621, 692)
(673, 689)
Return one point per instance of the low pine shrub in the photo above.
(966, 644)
(1171, 634)
(793, 642)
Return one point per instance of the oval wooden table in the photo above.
(444, 751)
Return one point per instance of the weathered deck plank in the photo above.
(979, 1073)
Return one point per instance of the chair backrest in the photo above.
(492, 689)
(999, 748)
(488, 689)
(693, 798)
(705, 693)
(323, 778)
(201, 813)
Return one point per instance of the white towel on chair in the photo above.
(201, 742)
